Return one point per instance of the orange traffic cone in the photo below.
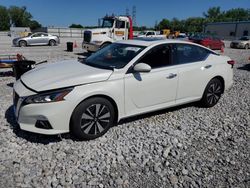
(75, 45)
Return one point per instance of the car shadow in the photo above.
(10, 84)
(245, 67)
(86, 54)
(158, 112)
(47, 139)
(29, 136)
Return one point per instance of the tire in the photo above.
(92, 118)
(22, 43)
(52, 43)
(247, 46)
(212, 93)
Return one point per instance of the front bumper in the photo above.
(57, 114)
(29, 115)
(90, 46)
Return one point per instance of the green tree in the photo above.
(214, 14)
(237, 14)
(194, 24)
(164, 24)
(33, 24)
(4, 19)
(177, 25)
(75, 26)
(19, 16)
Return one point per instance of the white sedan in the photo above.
(123, 79)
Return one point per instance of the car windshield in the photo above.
(244, 38)
(107, 22)
(114, 56)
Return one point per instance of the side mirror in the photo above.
(142, 67)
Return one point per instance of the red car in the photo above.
(211, 42)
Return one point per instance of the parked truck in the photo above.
(113, 28)
(144, 34)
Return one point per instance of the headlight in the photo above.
(54, 96)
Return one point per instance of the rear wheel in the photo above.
(22, 43)
(212, 93)
(246, 46)
(52, 43)
(92, 118)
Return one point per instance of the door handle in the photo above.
(208, 66)
(171, 75)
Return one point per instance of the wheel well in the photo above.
(222, 81)
(105, 97)
(22, 41)
(52, 40)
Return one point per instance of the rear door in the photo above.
(194, 71)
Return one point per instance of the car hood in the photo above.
(63, 74)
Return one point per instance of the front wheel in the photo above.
(246, 46)
(92, 118)
(212, 93)
(52, 43)
(22, 43)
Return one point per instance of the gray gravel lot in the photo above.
(187, 146)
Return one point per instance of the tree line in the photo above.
(16, 16)
(20, 17)
(195, 24)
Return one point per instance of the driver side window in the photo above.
(157, 57)
(120, 24)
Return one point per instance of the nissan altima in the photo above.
(124, 79)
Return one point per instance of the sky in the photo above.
(62, 13)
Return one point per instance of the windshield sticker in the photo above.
(135, 49)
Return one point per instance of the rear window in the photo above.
(185, 53)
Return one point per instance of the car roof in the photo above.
(145, 42)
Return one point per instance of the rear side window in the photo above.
(186, 53)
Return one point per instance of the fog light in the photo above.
(43, 124)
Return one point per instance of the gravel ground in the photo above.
(186, 146)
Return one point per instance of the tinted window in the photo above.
(185, 53)
(120, 24)
(158, 56)
(37, 35)
(150, 33)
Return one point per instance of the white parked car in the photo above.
(123, 79)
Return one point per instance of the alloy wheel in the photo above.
(95, 119)
(214, 93)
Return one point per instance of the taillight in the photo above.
(231, 62)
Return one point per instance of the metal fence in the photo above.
(3, 33)
(66, 32)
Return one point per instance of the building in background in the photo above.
(228, 30)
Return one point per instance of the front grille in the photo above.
(87, 36)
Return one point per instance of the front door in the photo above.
(120, 30)
(157, 88)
